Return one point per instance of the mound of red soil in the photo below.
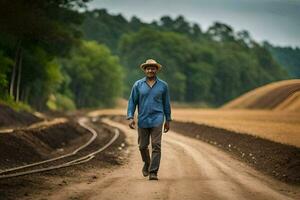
(24, 146)
(11, 118)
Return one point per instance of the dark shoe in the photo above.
(153, 176)
(145, 170)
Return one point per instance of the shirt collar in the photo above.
(145, 79)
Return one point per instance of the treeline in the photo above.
(54, 57)
(287, 57)
(45, 62)
(214, 66)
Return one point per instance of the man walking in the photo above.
(151, 95)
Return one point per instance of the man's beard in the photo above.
(150, 75)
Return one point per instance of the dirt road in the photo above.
(190, 169)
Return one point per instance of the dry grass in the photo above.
(292, 103)
(282, 95)
(277, 119)
(278, 126)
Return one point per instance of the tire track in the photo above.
(83, 159)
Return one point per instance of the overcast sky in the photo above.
(277, 21)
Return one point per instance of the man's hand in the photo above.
(132, 124)
(166, 126)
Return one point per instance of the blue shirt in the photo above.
(153, 103)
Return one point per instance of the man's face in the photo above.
(150, 71)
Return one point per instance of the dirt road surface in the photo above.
(190, 169)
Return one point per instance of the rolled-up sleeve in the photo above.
(166, 104)
(132, 102)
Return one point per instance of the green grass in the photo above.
(20, 106)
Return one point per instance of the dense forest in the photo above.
(46, 63)
(212, 66)
(54, 57)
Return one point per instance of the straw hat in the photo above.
(150, 62)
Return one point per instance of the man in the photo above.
(151, 95)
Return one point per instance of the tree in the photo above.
(221, 32)
(98, 25)
(46, 24)
(96, 75)
(5, 64)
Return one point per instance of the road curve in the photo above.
(190, 169)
